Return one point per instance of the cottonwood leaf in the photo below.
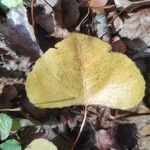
(10, 144)
(82, 70)
(5, 126)
(41, 144)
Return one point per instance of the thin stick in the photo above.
(48, 4)
(11, 110)
(81, 128)
(78, 27)
(83, 1)
(32, 13)
(91, 125)
(131, 8)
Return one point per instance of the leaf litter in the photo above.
(123, 24)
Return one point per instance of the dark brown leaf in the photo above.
(118, 45)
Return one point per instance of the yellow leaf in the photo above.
(41, 144)
(82, 70)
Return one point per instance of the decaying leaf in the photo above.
(103, 140)
(9, 92)
(97, 5)
(101, 27)
(62, 15)
(117, 137)
(130, 5)
(70, 12)
(120, 3)
(82, 70)
(118, 45)
(135, 30)
(41, 144)
(20, 33)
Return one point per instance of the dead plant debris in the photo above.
(28, 28)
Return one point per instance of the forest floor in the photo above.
(29, 29)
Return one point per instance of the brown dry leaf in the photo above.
(143, 129)
(103, 140)
(9, 92)
(13, 68)
(97, 5)
(70, 12)
(122, 3)
(128, 5)
(20, 33)
(117, 23)
(60, 32)
(118, 45)
(62, 15)
(136, 29)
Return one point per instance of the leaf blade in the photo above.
(78, 72)
(10, 144)
(5, 126)
(41, 144)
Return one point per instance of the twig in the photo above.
(48, 4)
(81, 128)
(132, 114)
(78, 27)
(11, 110)
(91, 125)
(130, 8)
(83, 1)
(32, 12)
